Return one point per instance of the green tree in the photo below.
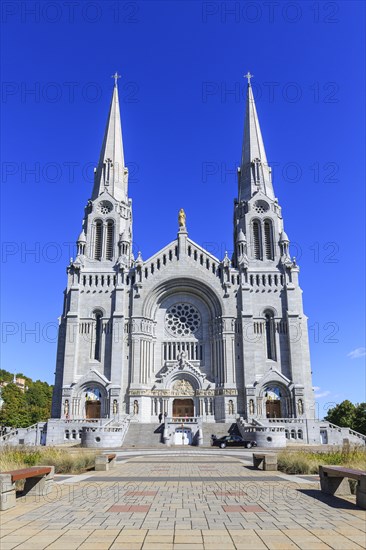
(342, 414)
(14, 411)
(23, 409)
(359, 423)
(39, 397)
(5, 376)
(39, 393)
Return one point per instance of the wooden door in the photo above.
(92, 409)
(273, 409)
(183, 407)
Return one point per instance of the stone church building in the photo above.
(183, 333)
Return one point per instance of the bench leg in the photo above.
(334, 485)
(270, 464)
(7, 492)
(257, 462)
(361, 493)
(38, 486)
(101, 464)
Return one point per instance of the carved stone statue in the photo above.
(115, 406)
(300, 407)
(182, 359)
(251, 406)
(182, 219)
(66, 407)
(135, 407)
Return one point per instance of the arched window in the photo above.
(268, 240)
(98, 239)
(270, 336)
(299, 434)
(98, 335)
(257, 240)
(109, 240)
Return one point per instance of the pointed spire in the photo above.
(255, 174)
(110, 173)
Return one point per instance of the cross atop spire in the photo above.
(248, 76)
(116, 76)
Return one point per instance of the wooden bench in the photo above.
(334, 481)
(105, 462)
(38, 482)
(268, 461)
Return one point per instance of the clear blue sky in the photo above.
(182, 103)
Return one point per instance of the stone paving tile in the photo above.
(335, 540)
(276, 540)
(353, 534)
(190, 546)
(157, 546)
(126, 546)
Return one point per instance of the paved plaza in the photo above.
(192, 500)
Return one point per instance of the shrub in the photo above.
(308, 462)
(65, 461)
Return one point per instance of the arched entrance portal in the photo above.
(183, 407)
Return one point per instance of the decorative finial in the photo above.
(248, 76)
(139, 262)
(226, 261)
(116, 76)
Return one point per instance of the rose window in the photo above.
(261, 207)
(182, 319)
(105, 207)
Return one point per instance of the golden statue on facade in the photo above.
(181, 219)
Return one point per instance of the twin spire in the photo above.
(111, 173)
(255, 174)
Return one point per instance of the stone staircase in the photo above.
(24, 436)
(144, 436)
(218, 429)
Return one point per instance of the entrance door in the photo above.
(183, 407)
(273, 409)
(92, 409)
(182, 436)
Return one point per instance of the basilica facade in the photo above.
(183, 333)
